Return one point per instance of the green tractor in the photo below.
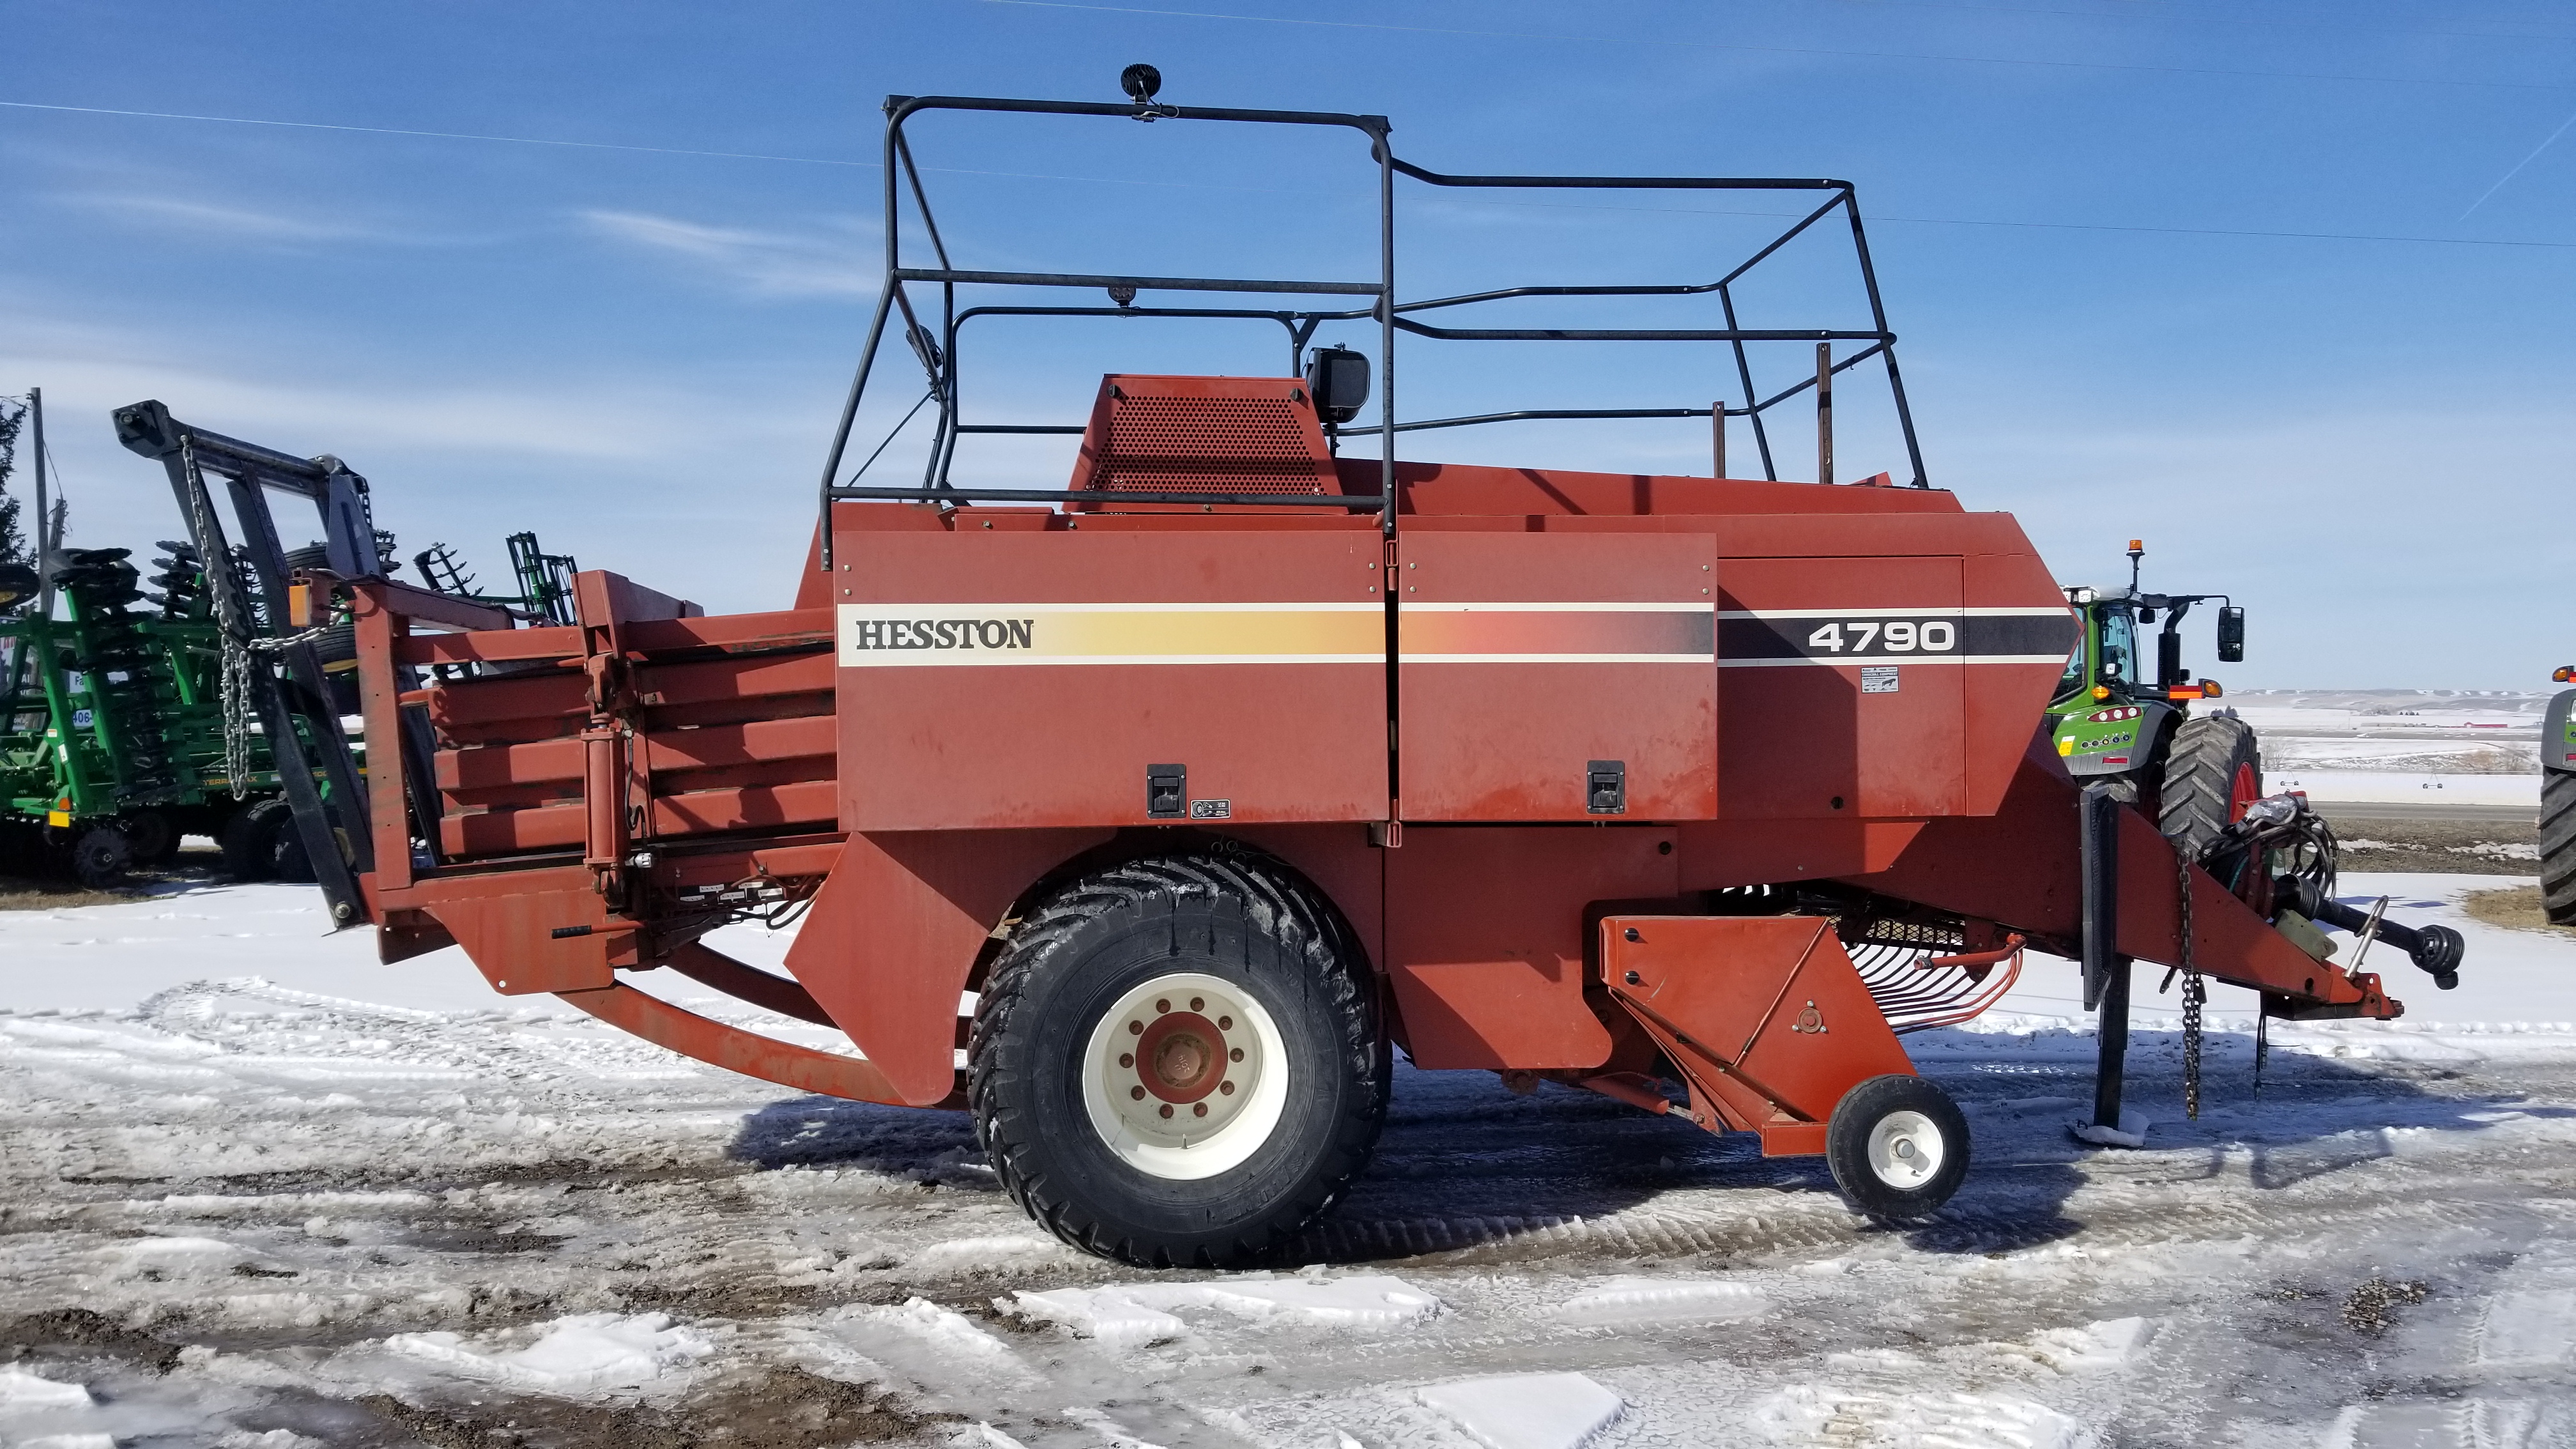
(112, 736)
(2117, 719)
(2558, 803)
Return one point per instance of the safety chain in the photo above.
(2195, 992)
(233, 631)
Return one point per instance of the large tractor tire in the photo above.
(2212, 772)
(2558, 846)
(1178, 1062)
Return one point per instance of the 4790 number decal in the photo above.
(1888, 636)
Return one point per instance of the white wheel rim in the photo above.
(1905, 1149)
(1185, 1076)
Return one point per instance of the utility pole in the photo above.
(44, 564)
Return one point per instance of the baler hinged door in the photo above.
(1556, 676)
(1010, 679)
(1847, 680)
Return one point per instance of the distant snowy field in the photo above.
(2417, 746)
(326, 1201)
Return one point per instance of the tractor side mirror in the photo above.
(1339, 379)
(2231, 635)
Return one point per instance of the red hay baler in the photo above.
(1146, 816)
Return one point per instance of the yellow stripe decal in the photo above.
(935, 635)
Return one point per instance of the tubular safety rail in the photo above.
(937, 347)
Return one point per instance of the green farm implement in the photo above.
(112, 734)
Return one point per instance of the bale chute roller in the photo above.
(1690, 791)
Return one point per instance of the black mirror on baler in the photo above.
(1339, 379)
(2231, 635)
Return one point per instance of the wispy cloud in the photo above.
(174, 214)
(830, 261)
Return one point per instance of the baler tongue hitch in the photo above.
(2437, 949)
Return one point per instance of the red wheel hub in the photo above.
(1180, 1057)
(2242, 791)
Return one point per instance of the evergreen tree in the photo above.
(14, 545)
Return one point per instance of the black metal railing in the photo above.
(937, 348)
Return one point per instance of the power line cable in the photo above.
(1199, 186)
(436, 135)
(1666, 42)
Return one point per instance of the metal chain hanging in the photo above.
(2195, 992)
(232, 630)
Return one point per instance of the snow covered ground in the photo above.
(2419, 746)
(259, 1192)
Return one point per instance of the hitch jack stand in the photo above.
(2106, 971)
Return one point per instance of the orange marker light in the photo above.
(2137, 545)
(2564, 673)
(2209, 689)
(2101, 691)
(299, 605)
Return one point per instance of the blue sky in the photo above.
(2138, 252)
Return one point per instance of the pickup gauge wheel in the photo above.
(1177, 1061)
(1897, 1146)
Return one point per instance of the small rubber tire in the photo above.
(101, 856)
(287, 861)
(1879, 1139)
(153, 835)
(2558, 846)
(1043, 1062)
(250, 839)
(238, 839)
(2213, 771)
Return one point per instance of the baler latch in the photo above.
(1606, 787)
(1167, 792)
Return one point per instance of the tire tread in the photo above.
(1295, 916)
(2199, 772)
(2558, 846)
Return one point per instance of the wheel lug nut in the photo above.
(1136, 1092)
(1225, 1023)
(1167, 1109)
(1226, 1087)
(1198, 1109)
(1135, 1028)
(1198, 1003)
(1236, 1055)
(1126, 1059)
(1162, 1006)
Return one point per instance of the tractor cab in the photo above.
(2116, 711)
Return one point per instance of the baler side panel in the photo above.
(1523, 657)
(994, 680)
(1847, 725)
(1485, 938)
(894, 933)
